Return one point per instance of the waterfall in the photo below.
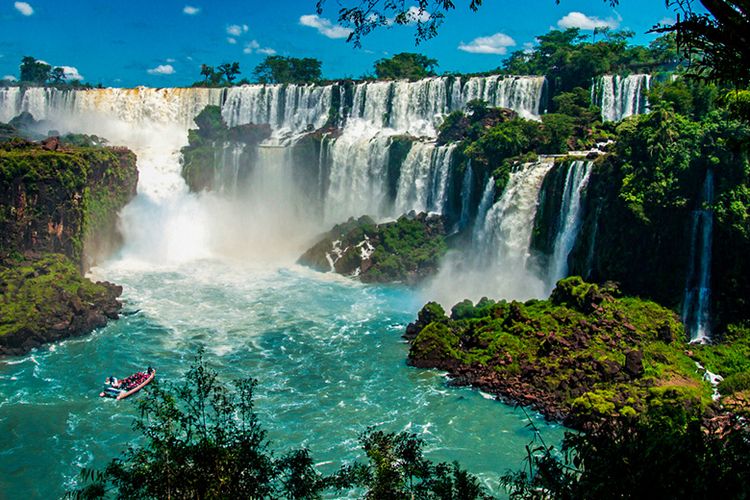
(288, 109)
(696, 306)
(495, 263)
(466, 191)
(484, 205)
(620, 97)
(423, 182)
(569, 219)
(381, 161)
(505, 234)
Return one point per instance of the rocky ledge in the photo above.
(407, 250)
(582, 355)
(44, 298)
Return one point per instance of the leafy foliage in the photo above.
(203, 439)
(631, 458)
(280, 69)
(405, 65)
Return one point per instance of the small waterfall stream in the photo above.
(696, 306)
(620, 97)
(569, 222)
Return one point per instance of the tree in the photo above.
(280, 69)
(202, 440)
(57, 76)
(364, 16)
(33, 71)
(629, 458)
(718, 43)
(405, 65)
(397, 469)
(228, 70)
(207, 72)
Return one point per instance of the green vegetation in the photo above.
(202, 162)
(405, 65)
(280, 69)
(407, 250)
(570, 60)
(653, 457)
(62, 200)
(649, 184)
(223, 75)
(582, 355)
(35, 292)
(34, 72)
(203, 439)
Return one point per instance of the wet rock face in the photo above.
(406, 251)
(56, 198)
(59, 207)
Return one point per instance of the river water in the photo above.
(327, 353)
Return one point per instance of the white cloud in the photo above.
(171, 60)
(24, 8)
(162, 69)
(254, 46)
(494, 44)
(190, 10)
(414, 16)
(231, 40)
(324, 26)
(237, 30)
(71, 73)
(584, 22)
(668, 21)
(10, 78)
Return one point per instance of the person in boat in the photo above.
(113, 382)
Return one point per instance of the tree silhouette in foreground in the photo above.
(202, 439)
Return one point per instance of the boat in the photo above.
(122, 393)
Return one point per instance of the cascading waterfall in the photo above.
(423, 183)
(353, 176)
(569, 221)
(620, 97)
(495, 264)
(466, 191)
(696, 307)
(505, 234)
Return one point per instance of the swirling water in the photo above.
(327, 352)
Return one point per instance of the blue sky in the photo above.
(163, 42)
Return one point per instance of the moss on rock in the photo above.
(582, 354)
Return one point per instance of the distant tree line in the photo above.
(35, 72)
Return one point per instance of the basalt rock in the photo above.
(407, 250)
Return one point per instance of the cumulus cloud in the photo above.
(190, 10)
(584, 22)
(494, 44)
(237, 30)
(10, 78)
(667, 21)
(24, 8)
(324, 26)
(254, 47)
(71, 73)
(162, 69)
(231, 40)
